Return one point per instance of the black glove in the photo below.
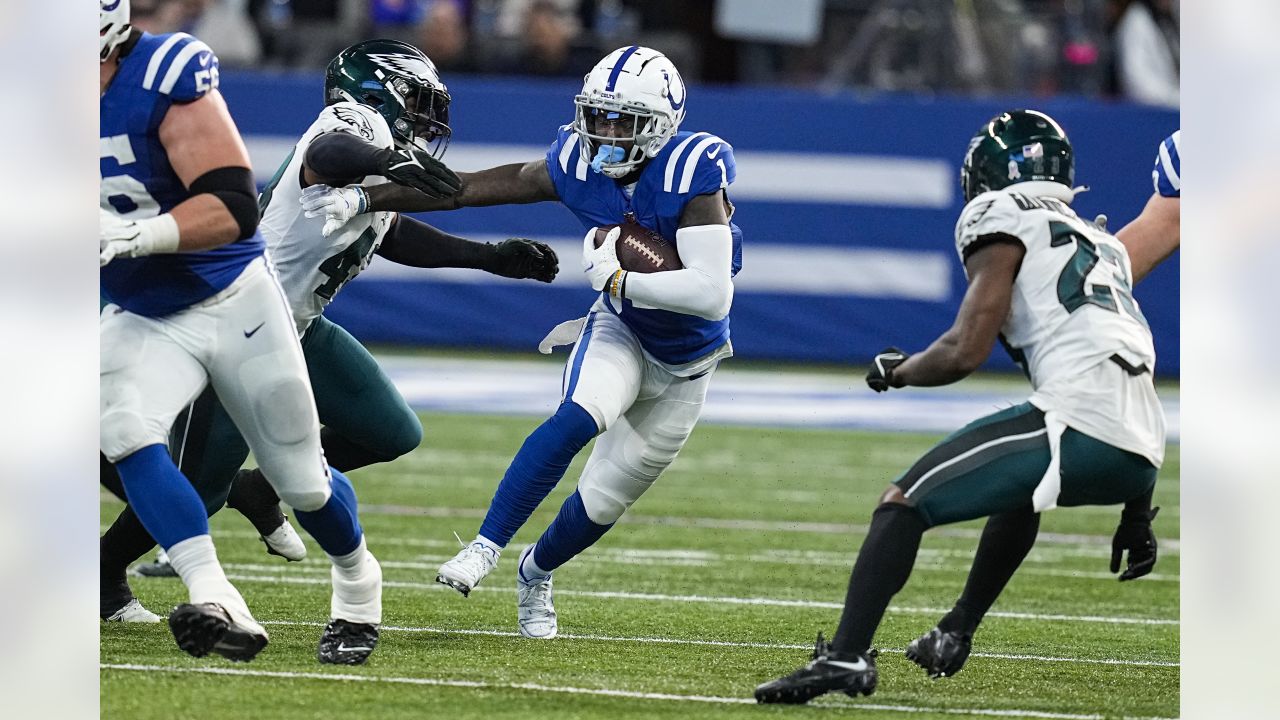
(1135, 535)
(521, 258)
(420, 171)
(880, 376)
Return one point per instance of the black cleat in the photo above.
(347, 643)
(852, 675)
(941, 654)
(207, 627)
(159, 567)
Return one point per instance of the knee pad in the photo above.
(608, 491)
(122, 431)
(282, 407)
(304, 498)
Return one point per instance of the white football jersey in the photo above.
(1073, 324)
(314, 268)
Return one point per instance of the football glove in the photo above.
(880, 376)
(601, 263)
(337, 205)
(521, 258)
(119, 237)
(1135, 535)
(420, 171)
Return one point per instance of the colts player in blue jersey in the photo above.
(1157, 232)
(644, 354)
(192, 300)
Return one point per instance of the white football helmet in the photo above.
(113, 26)
(632, 81)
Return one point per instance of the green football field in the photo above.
(718, 579)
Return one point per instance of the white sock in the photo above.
(357, 586)
(489, 544)
(196, 562)
(529, 571)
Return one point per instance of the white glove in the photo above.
(119, 237)
(337, 205)
(600, 263)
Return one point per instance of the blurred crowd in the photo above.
(1099, 48)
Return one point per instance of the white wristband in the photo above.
(157, 235)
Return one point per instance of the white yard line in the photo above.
(726, 643)
(605, 692)
(707, 599)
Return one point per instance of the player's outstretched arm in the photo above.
(704, 286)
(1154, 235)
(209, 157)
(514, 184)
(992, 269)
(339, 158)
(417, 244)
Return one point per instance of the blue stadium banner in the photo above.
(847, 205)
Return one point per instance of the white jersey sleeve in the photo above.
(1073, 323)
(313, 268)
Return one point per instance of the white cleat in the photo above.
(284, 541)
(134, 612)
(535, 605)
(471, 565)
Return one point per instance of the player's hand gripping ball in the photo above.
(640, 249)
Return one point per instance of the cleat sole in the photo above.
(202, 629)
(466, 591)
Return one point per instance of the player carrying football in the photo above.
(644, 355)
(1055, 290)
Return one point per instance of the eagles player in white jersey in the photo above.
(1157, 232)
(385, 120)
(1055, 289)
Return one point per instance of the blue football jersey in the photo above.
(690, 164)
(138, 181)
(1167, 174)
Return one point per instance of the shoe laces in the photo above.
(539, 591)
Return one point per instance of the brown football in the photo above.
(641, 249)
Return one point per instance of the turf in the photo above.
(747, 539)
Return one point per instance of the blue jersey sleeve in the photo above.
(708, 167)
(1167, 174)
(564, 161)
(182, 68)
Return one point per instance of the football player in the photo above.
(192, 301)
(1157, 232)
(643, 357)
(1055, 290)
(385, 120)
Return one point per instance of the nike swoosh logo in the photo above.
(249, 333)
(205, 58)
(713, 153)
(351, 648)
(855, 667)
(588, 269)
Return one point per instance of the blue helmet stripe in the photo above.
(617, 67)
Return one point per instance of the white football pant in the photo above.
(243, 341)
(646, 412)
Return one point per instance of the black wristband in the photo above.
(342, 156)
(234, 187)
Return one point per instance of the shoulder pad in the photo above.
(992, 212)
(564, 158)
(181, 67)
(357, 119)
(1166, 176)
(701, 163)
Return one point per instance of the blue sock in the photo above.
(335, 525)
(536, 469)
(570, 533)
(161, 497)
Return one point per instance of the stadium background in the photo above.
(849, 119)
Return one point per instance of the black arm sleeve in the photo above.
(417, 244)
(234, 187)
(343, 155)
